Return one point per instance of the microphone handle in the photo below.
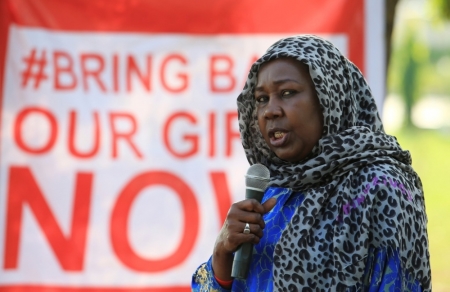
(243, 255)
(252, 193)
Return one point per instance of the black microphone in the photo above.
(256, 181)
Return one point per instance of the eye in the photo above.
(261, 99)
(287, 92)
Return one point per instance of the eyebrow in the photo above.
(277, 82)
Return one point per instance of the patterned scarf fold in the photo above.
(360, 189)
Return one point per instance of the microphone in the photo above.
(256, 181)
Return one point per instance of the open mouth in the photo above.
(278, 135)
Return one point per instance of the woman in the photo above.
(344, 210)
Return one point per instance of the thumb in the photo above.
(269, 204)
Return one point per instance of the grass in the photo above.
(430, 152)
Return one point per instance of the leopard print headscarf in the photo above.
(360, 190)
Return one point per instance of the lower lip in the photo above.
(279, 142)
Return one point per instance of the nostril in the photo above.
(272, 113)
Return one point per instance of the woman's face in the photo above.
(289, 114)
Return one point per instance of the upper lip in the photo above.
(272, 131)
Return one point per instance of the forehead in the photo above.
(282, 68)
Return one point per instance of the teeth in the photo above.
(278, 135)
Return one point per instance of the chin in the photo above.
(290, 158)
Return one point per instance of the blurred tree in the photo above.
(412, 55)
(415, 56)
(389, 24)
(441, 8)
(408, 82)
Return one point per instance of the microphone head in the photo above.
(257, 177)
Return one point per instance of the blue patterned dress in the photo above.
(383, 268)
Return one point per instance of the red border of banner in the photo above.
(5, 20)
(180, 16)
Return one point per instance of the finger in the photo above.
(237, 219)
(254, 229)
(241, 212)
(236, 239)
(251, 205)
(269, 204)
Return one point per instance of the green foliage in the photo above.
(440, 9)
(420, 60)
(409, 57)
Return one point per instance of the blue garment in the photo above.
(383, 267)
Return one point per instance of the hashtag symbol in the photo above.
(32, 63)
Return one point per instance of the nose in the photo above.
(273, 108)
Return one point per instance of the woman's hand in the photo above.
(231, 235)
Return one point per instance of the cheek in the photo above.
(260, 120)
(262, 127)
